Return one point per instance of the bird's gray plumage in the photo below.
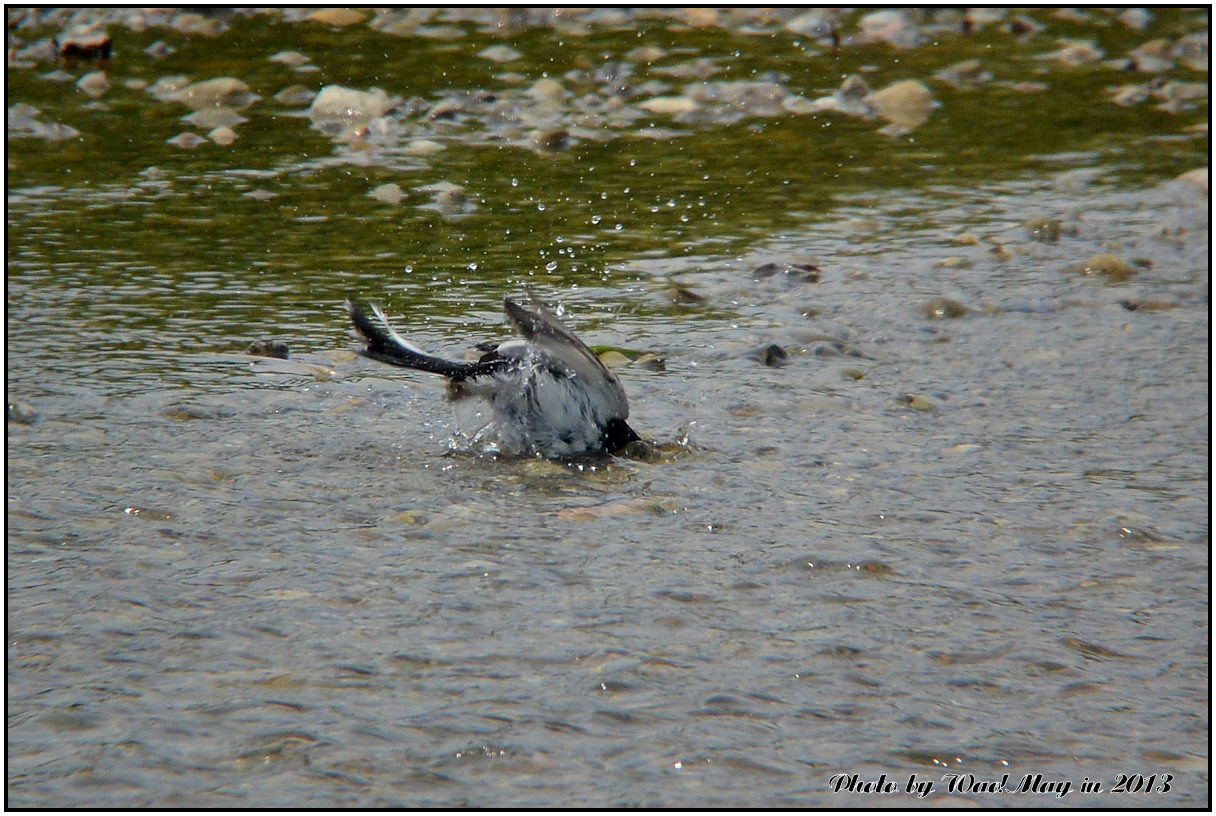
(543, 393)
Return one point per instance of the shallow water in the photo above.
(970, 545)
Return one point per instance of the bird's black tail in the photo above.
(383, 344)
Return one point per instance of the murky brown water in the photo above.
(964, 529)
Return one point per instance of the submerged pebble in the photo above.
(906, 104)
(94, 84)
(772, 355)
(798, 272)
(21, 412)
(941, 308)
(1109, 265)
(268, 348)
(186, 140)
(222, 135)
(388, 193)
(223, 92)
(917, 402)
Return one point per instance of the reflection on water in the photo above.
(958, 525)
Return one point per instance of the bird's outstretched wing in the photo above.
(548, 336)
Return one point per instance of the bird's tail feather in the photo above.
(383, 344)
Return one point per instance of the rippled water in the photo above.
(969, 545)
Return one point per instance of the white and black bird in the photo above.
(546, 393)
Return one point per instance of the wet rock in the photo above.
(772, 355)
(45, 50)
(168, 88)
(1199, 177)
(186, 140)
(682, 295)
(338, 111)
(423, 147)
(23, 120)
(1024, 26)
(94, 84)
(21, 412)
(499, 54)
(293, 59)
(822, 24)
(851, 99)
(1139, 305)
(546, 91)
(159, 49)
(794, 272)
(552, 140)
(940, 308)
(214, 118)
(893, 27)
(448, 199)
(646, 54)
(388, 193)
(222, 92)
(1192, 52)
(295, 95)
(1128, 96)
(58, 75)
(337, 17)
(669, 105)
(1075, 53)
(641, 450)
(917, 402)
(906, 104)
(651, 362)
(1136, 18)
(222, 135)
(965, 74)
(613, 359)
(1044, 229)
(268, 348)
(84, 46)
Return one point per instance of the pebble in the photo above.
(214, 118)
(222, 135)
(422, 147)
(772, 355)
(1044, 229)
(293, 59)
(94, 84)
(84, 45)
(546, 90)
(186, 140)
(225, 92)
(337, 108)
(268, 348)
(669, 105)
(917, 402)
(1200, 177)
(800, 272)
(21, 412)
(388, 193)
(499, 54)
(295, 95)
(907, 104)
(940, 308)
(1110, 265)
(337, 17)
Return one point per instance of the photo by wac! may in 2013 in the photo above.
(967, 783)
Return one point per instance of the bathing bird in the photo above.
(541, 394)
